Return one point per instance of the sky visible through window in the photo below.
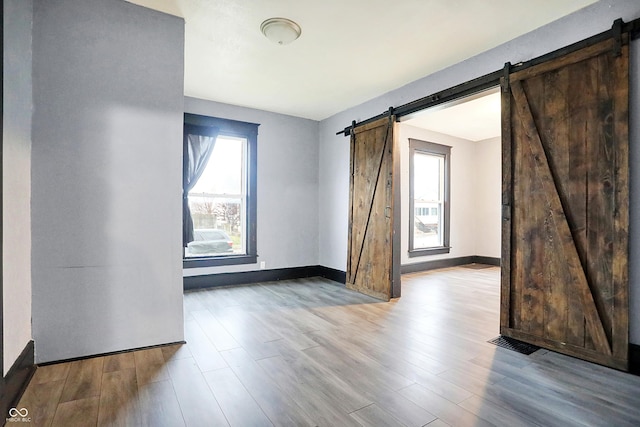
(428, 189)
(223, 174)
(427, 169)
(217, 201)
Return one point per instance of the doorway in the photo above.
(565, 150)
(451, 202)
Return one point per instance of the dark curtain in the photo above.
(197, 148)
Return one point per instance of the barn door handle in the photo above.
(506, 212)
(387, 212)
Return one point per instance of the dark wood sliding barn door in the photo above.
(373, 266)
(565, 205)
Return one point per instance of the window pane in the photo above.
(217, 226)
(224, 171)
(218, 202)
(426, 176)
(428, 191)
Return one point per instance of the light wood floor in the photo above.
(309, 352)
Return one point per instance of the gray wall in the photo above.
(106, 177)
(334, 150)
(16, 191)
(287, 186)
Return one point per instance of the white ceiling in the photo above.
(475, 118)
(350, 50)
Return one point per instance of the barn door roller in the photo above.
(616, 30)
(504, 82)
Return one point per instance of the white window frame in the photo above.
(442, 151)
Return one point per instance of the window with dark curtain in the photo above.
(198, 144)
(219, 191)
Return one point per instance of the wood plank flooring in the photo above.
(309, 352)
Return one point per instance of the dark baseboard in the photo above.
(111, 353)
(332, 274)
(438, 263)
(448, 262)
(247, 277)
(258, 276)
(634, 359)
(487, 260)
(16, 381)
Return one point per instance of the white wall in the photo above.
(333, 191)
(334, 150)
(106, 177)
(16, 185)
(287, 222)
(488, 197)
(476, 188)
(463, 187)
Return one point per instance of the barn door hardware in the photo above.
(616, 29)
(504, 81)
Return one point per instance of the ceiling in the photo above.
(350, 51)
(475, 118)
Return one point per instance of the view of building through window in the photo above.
(428, 200)
(218, 202)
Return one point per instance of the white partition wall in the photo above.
(106, 177)
(16, 182)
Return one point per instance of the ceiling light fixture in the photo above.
(280, 30)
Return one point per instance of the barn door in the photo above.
(565, 205)
(373, 266)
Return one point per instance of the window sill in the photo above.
(431, 251)
(217, 261)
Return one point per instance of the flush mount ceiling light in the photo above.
(280, 30)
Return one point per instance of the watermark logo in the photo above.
(18, 416)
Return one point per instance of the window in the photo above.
(429, 171)
(219, 179)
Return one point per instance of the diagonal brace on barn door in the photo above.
(559, 219)
(372, 199)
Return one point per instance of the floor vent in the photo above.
(515, 345)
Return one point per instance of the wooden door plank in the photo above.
(375, 187)
(580, 96)
(350, 236)
(371, 249)
(365, 178)
(559, 220)
(369, 241)
(396, 218)
(600, 146)
(507, 189)
(556, 130)
(620, 267)
(518, 233)
(535, 220)
(605, 46)
(366, 147)
(591, 355)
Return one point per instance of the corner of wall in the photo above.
(16, 180)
